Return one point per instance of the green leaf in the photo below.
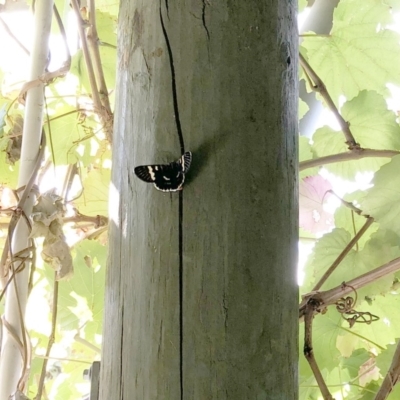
(335, 381)
(370, 391)
(94, 200)
(385, 358)
(305, 153)
(80, 300)
(65, 135)
(9, 173)
(303, 108)
(373, 126)
(326, 329)
(308, 389)
(92, 283)
(324, 254)
(359, 53)
(352, 223)
(108, 7)
(383, 200)
(382, 247)
(395, 393)
(378, 334)
(353, 363)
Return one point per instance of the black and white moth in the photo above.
(166, 177)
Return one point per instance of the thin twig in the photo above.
(8, 30)
(319, 86)
(97, 221)
(93, 41)
(343, 254)
(83, 341)
(347, 204)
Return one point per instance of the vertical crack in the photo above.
(173, 84)
(181, 290)
(203, 18)
(180, 211)
(121, 353)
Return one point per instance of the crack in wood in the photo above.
(180, 212)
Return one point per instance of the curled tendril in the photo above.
(345, 306)
(360, 317)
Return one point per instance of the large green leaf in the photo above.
(66, 132)
(91, 280)
(80, 300)
(359, 53)
(383, 200)
(373, 126)
(352, 223)
(94, 199)
(324, 254)
(381, 247)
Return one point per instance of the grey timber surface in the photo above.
(236, 77)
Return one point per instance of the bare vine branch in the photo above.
(101, 109)
(331, 296)
(319, 86)
(310, 309)
(354, 154)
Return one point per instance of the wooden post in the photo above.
(201, 296)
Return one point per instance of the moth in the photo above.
(166, 177)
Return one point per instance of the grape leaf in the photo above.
(324, 254)
(92, 283)
(326, 329)
(384, 359)
(371, 123)
(353, 363)
(359, 52)
(352, 222)
(65, 135)
(378, 334)
(373, 126)
(313, 192)
(94, 200)
(383, 200)
(9, 173)
(305, 153)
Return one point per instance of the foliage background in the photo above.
(76, 143)
(359, 64)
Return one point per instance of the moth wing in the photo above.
(185, 161)
(170, 185)
(146, 172)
